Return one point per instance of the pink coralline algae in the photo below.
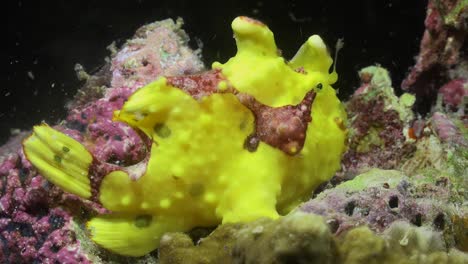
(31, 229)
(377, 121)
(446, 130)
(384, 132)
(38, 222)
(440, 58)
(157, 49)
(455, 93)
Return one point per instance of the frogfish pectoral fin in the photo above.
(59, 158)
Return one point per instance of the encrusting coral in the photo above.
(442, 59)
(251, 138)
(378, 124)
(306, 238)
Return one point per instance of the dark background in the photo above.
(47, 38)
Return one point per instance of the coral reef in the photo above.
(454, 93)
(400, 196)
(378, 124)
(32, 230)
(441, 58)
(402, 244)
(379, 198)
(296, 238)
(306, 238)
(446, 130)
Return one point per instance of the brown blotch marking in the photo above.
(253, 21)
(142, 221)
(196, 189)
(58, 159)
(198, 85)
(162, 130)
(243, 123)
(65, 149)
(251, 143)
(340, 123)
(284, 128)
(281, 127)
(300, 70)
(366, 77)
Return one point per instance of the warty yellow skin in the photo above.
(199, 173)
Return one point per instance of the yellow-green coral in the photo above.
(199, 173)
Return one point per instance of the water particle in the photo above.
(31, 75)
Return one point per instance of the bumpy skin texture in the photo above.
(252, 143)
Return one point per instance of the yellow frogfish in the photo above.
(249, 138)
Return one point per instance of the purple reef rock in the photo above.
(379, 198)
(441, 57)
(377, 123)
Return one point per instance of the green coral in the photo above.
(402, 243)
(371, 139)
(361, 245)
(372, 178)
(451, 17)
(296, 238)
(305, 238)
(381, 85)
